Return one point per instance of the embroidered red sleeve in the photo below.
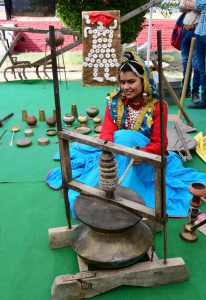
(155, 145)
(108, 127)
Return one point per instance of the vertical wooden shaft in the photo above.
(55, 77)
(63, 144)
(163, 183)
(187, 74)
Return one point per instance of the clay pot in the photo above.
(83, 119)
(97, 120)
(197, 189)
(51, 121)
(92, 111)
(69, 119)
(59, 38)
(31, 121)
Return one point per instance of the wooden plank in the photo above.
(135, 208)
(60, 237)
(108, 146)
(139, 10)
(65, 31)
(145, 274)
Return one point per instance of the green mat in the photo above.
(28, 208)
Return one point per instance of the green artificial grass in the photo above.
(28, 207)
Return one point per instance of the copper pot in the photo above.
(69, 119)
(31, 121)
(51, 121)
(92, 111)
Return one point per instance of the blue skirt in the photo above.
(140, 178)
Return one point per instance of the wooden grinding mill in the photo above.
(109, 236)
(112, 236)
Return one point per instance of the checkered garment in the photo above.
(201, 27)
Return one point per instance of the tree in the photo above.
(69, 12)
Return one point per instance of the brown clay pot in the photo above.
(69, 119)
(31, 121)
(51, 121)
(59, 38)
(197, 189)
(92, 111)
(83, 119)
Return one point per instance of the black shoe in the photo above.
(195, 97)
(198, 105)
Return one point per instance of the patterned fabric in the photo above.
(201, 27)
(115, 100)
(119, 113)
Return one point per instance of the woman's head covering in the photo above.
(132, 62)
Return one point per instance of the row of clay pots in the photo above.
(83, 119)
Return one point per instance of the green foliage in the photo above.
(69, 12)
(166, 7)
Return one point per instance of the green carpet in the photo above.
(28, 208)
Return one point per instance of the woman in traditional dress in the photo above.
(132, 118)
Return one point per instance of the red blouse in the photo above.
(109, 127)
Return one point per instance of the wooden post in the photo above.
(174, 96)
(189, 62)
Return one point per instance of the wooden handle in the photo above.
(8, 116)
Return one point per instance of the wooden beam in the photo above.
(146, 274)
(65, 31)
(150, 158)
(136, 208)
(139, 10)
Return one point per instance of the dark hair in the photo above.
(127, 68)
(130, 64)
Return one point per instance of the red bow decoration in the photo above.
(101, 17)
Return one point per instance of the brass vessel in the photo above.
(110, 237)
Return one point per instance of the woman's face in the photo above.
(131, 85)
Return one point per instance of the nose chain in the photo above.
(132, 116)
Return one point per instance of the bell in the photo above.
(110, 237)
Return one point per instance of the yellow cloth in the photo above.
(201, 145)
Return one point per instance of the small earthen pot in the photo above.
(69, 119)
(83, 119)
(197, 189)
(92, 111)
(31, 121)
(97, 120)
(51, 121)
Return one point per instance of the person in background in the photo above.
(190, 23)
(200, 33)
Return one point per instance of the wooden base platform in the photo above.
(86, 284)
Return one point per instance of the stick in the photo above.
(189, 62)
(174, 96)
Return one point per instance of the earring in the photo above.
(144, 95)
